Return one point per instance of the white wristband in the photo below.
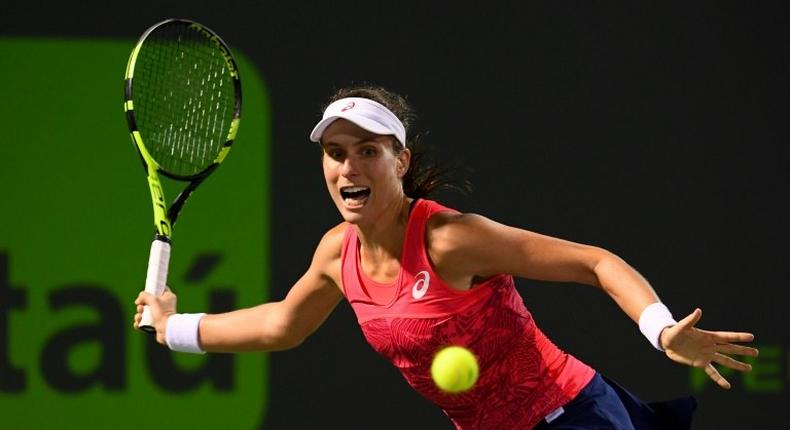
(655, 318)
(181, 333)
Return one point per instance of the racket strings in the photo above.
(184, 99)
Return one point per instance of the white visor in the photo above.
(367, 114)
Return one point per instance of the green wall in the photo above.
(75, 233)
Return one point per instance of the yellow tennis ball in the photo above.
(454, 369)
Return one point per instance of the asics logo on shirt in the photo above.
(421, 286)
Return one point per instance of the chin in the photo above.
(353, 216)
(350, 217)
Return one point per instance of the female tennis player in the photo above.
(420, 276)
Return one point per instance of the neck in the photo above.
(382, 240)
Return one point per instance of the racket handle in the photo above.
(156, 278)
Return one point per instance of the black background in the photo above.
(654, 129)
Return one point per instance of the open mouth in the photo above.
(354, 195)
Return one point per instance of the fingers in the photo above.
(143, 298)
(162, 304)
(729, 348)
(731, 362)
(692, 319)
(716, 377)
(141, 301)
(730, 336)
(718, 336)
(138, 316)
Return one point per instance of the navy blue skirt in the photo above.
(603, 404)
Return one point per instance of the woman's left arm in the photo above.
(482, 248)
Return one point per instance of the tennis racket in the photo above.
(182, 98)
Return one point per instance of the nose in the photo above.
(349, 167)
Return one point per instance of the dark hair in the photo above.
(425, 174)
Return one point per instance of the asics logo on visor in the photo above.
(368, 114)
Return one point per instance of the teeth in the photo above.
(354, 189)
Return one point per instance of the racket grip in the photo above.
(155, 279)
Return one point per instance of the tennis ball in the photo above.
(454, 369)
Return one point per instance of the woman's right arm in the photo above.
(270, 326)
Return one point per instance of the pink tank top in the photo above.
(523, 375)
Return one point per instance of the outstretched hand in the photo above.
(689, 345)
(161, 308)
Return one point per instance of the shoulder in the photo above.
(327, 257)
(331, 243)
(448, 232)
(457, 243)
(467, 235)
(451, 226)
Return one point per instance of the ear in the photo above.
(404, 160)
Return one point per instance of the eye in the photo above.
(368, 151)
(334, 153)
